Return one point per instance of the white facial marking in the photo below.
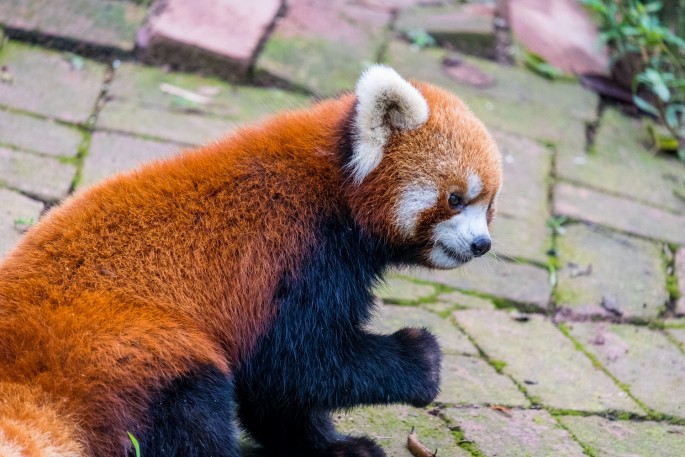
(384, 100)
(475, 185)
(453, 237)
(415, 199)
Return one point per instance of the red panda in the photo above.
(233, 283)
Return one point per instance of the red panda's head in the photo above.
(425, 172)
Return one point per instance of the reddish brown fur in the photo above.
(137, 281)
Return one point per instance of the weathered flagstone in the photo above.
(619, 213)
(389, 426)
(324, 45)
(472, 381)
(627, 439)
(185, 108)
(605, 273)
(645, 360)
(38, 135)
(621, 164)
(520, 283)
(390, 318)
(402, 291)
(463, 300)
(104, 23)
(519, 230)
(680, 275)
(514, 432)
(50, 83)
(514, 88)
(112, 153)
(543, 360)
(679, 335)
(219, 37)
(17, 212)
(42, 177)
(465, 27)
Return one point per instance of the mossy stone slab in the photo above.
(323, 46)
(466, 27)
(21, 131)
(143, 101)
(16, 211)
(49, 83)
(519, 228)
(621, 213)
(402, 291)
(514, 87)
(621, 163)
(44, 178)
(604, 273)
(472, 381)
(518, 432)
(645, 360)
(516, 282)
(112, 153)
(389, 426)
(389, 318)
(627, 438)
(544, 361)
(106, 23)
(463, 300)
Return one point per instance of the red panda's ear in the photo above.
(385, 101)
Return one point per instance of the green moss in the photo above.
(80, 157)
(467, 445)
(498, 365)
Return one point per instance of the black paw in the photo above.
(421, 349)
(353, 446)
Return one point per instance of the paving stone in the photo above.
(520, 283)
(323, 45)
(467, 27)
(109, 24)
(472, 381)
(45, 178)
(20, 131)
(16, 212)
(644, 359)
(618, 213)
(390, 318)
(43, 80)
(543, 360)
(143, 100)
(621, 164)
(389, 426)
(463, 300)
(519, 230)
(518, 432)
(515, 89)
(608, 274)
(627, 439)
(680, 275)
(220, 38)
(679, 335)
(402, 291)
(112, 153)
(562, 32)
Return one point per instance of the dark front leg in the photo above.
(289, 387)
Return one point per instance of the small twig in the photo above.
(186, 94)
(417, 448)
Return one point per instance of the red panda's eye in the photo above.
(456, 201)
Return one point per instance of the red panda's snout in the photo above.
(426, 170)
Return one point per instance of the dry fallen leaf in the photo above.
(417, 448)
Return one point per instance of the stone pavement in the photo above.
(568, 340)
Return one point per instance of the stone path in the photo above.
(569, 340)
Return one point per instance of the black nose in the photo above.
(480, 246)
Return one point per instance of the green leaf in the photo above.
(136, 446)
(645, 106)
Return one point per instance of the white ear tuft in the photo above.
(385, 101)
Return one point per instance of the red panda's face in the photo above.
(426, 170)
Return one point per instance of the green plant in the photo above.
(632, 29)
(420, 39)
(136, 446)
